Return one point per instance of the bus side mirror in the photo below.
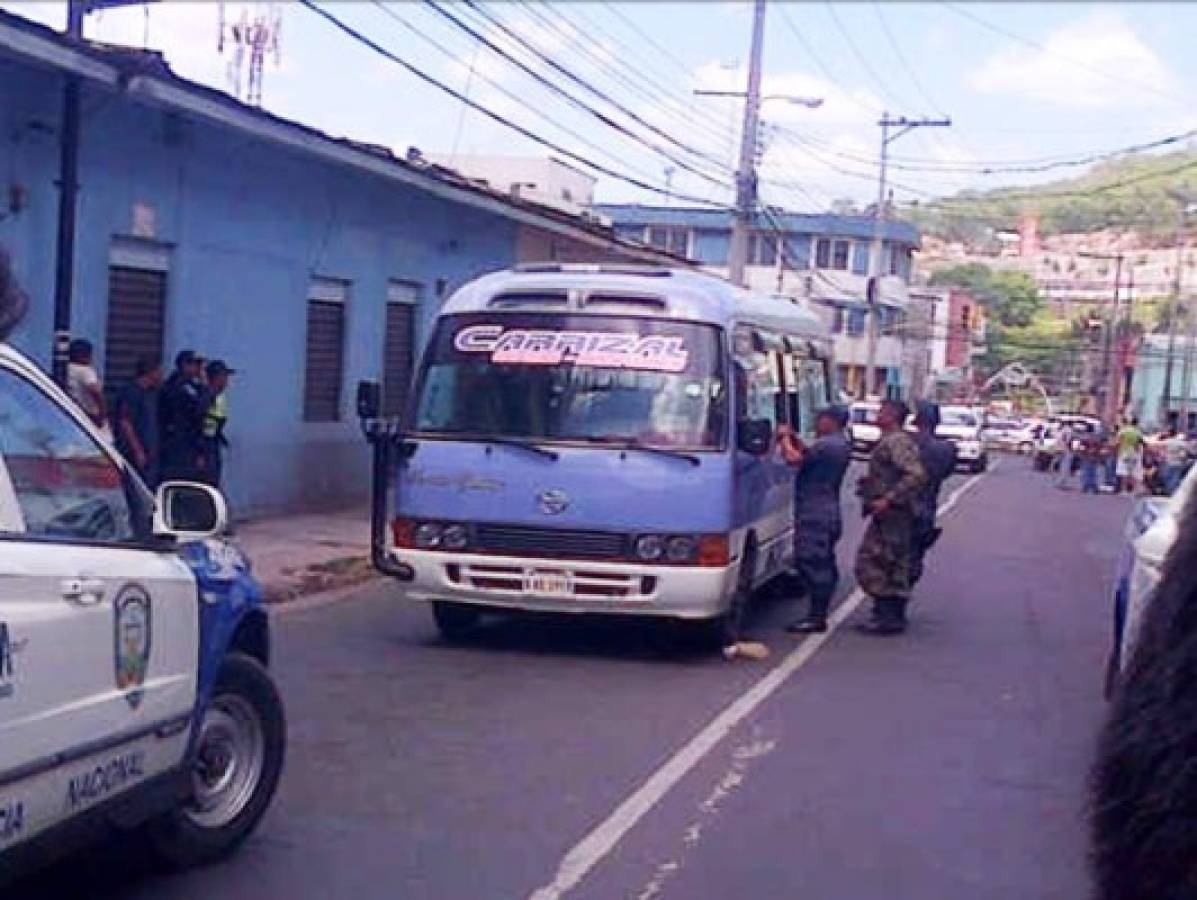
(755, 436)
(369, 399)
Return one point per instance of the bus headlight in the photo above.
(455, 537)
(650, 547)
(428, 536)
(681, 549)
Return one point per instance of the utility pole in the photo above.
(1109, 324)
(1186, 371)
(737, 256)
(873, 293)
(68, 191)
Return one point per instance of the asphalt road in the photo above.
(948, 763)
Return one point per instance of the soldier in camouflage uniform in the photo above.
(938, 457)
(888, 494)
(817, 520)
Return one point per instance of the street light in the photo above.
(808, 102)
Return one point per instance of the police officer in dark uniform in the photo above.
(817, 520)
(181, 419)
(938, 457)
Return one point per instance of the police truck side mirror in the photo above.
(755, 436)
(188, 511)
(369, 399)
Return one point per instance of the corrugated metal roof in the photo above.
(124, 67)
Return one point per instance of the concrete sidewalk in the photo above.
(302, 554)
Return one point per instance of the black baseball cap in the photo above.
(219, 367)
(186, 358)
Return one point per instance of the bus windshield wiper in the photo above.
(523, 445)
(627, 443)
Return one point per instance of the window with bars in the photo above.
(762, 250)
(669, 238)
(833, 253)
(398, 352)
(136, 321)
(324, 370)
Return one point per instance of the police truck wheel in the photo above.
(235, 768)
(454, 621)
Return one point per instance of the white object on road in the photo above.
(605, 836)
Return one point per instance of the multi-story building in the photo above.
(541, 179)
(822, 258)
(945, 331)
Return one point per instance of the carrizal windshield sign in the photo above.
(600, 349)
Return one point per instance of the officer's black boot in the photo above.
(815, 621)
(888, 617)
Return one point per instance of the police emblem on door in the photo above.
(132, 635)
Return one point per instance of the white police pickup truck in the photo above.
(133, 648)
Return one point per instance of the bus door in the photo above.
(764, 483)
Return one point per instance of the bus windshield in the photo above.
(553, 377)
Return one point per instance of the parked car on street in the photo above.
(1150, 531)
(133, 649)
(862, 426)
(1049, 449)
(963, 427)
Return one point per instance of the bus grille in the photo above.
(550, 542)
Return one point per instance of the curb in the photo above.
(317, 578)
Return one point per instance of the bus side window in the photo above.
(814, 390)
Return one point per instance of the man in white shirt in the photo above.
(1175, 451)
(83, 382)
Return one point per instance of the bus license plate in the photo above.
(548, 584)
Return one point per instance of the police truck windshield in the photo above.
(574, 379)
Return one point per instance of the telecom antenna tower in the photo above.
(250, 36)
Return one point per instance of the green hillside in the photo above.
(1130, 192)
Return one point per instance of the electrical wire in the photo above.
(491, 114)
(652, 90)
(388, 10)
(578, 102)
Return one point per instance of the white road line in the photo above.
(593, 848)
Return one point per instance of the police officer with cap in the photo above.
(938, 457)
(216, 416)
(818, 524)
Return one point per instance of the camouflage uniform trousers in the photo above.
(883, 562)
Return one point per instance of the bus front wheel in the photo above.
(727, 628)
(454, 621)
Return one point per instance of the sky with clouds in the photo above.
(1024, 83)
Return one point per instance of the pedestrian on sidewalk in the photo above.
(818, 523)
(216, 416)
(1064, 441)
(83, 383)
(1130, 455)
(1091, 458)
(1175, 454)
(136, 419)
(181, 417)
(888, 494)
(938, 457)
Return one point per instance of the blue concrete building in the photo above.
(1147, 383)
(818, 256)
(306, 262)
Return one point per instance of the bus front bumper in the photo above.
(568, 586)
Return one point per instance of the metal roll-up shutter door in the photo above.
(399, 347)
(325, 361)
(136, 320)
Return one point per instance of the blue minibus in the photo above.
(597, 439)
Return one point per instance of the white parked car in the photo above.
(1150, 533)
(962, 426)
(133, 648)
(862, 426)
